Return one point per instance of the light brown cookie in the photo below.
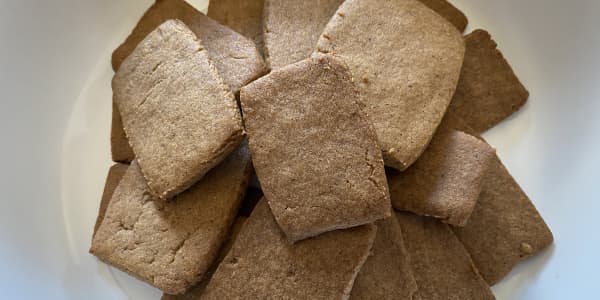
(387, 273)
(171, 244)
(449, 12)
(488, 90)
(179, 116)
(263, 265)
(292, 28)
(314, 151)
(119, 145)
(505, 228)
(243, 16)
(406, 60)
(440, 263)
(446, 180)
(115, 173)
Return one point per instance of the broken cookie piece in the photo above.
(440, 263)
(406, 60)
(179, 116)
(115, 173)
(171, 244)
(387, 273)
(488, 90)
(243, 16)
(314, 151)
(449, 12)
(446, 180)
(262, 264)
(292, 28)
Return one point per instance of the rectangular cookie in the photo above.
(449, 12)
(440, 263)
(446, 180)
(314, 151)
(387, 273)
(243, 16)
(115, 173)
(180, 117)
(292, 28)
(488, 90)
(406, 60)
(263, 265)
(171, 245)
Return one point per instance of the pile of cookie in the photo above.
(361, 120)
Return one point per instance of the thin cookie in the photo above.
(243, 16)
(115, 173)
(449, 12)
(263, 265)
(314, 151)
(406, 60)
(171, 245)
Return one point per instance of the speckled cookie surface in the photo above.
(171, 244)
(440, 263)
(387, 273)
(262, 264)
(405, 59)
(179, 116)
(488, 90)
(292, 28)
(449, 12)
(446, 180)
(115, 173)
(243, 16)
(314, 151)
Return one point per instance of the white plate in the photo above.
(55, 119)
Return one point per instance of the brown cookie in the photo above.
(243, 16)
(387, 273)
(488, 90)
(449, 12)
(406, 60)
(262, 264)
(179, 116)
(171, 244)
(115, 173)
(196, 291)
(119, 145)
(446, 180)
(440, 263)
(505, 228)
(314, 151)
(292, 28)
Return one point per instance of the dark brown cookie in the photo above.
(243, 16)
(406, 60)
(314, 151)
(180, 117)
(449, 12)
(262, 264)
(119, 144)
(171, 244)
(488, 90)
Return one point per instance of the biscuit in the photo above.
(406, 60)
(446, 180)
(263, 265)
(387, 273)
(449, 12)
(440, 263)
(313, 149)
(488, 90)
(115, 173)
(292, 28)
(243, 16)
(179, 116)
(171, 245)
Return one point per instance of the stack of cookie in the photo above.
(361, 120)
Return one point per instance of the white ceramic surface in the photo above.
(55, 120)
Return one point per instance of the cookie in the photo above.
(387, 273)
(115, 173)
(406, 60)
(440, 263)
(313, 149)
(449, 12)
(488, 90)
(119, 145)
(505, 228)
(262, 264)
(292, 28)
(180, 117)
(446, 180)
(243, 16)
(171, 245)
